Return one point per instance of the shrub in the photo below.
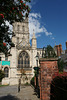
(60, 65)
(2, 75)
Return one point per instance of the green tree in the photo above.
(49, 52)
(11, 10)
(60, 65)
(2, 75)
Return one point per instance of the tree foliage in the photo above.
(2, 75)
(60, 65)
(49, 52)
(11, 10)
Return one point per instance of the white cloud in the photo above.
(33, 2)
(35, 15)
(53, 38)
(38, 35)
(34, 23)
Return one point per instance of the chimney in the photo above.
(60, 47)
(66, 45)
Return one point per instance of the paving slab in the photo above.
(27, 93)
(11, 93)
(8, 90)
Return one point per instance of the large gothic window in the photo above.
(23, 60)
(6, 71)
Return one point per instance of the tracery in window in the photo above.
(23, 60)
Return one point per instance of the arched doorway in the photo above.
(23, 60)
(6, 71)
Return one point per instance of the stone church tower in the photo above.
(23, 58)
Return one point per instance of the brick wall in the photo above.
(47, 69)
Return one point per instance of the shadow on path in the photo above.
(9, 97)
(35, 94)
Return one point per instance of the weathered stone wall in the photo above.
(47, 69)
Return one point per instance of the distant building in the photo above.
(58, 50)
(62, 54)
(64, 58)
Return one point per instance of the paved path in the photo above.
(11, 93)
(8, 90)
(27, 93)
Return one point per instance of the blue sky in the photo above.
(49, 20)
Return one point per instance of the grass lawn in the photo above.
(3, 85)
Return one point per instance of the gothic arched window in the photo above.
(18, 28)
(23, 28)
(6, 71)
(23, 60)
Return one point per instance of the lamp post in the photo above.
(43, 53)
(37, 57)
(19, 82)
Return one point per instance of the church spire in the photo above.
(33, 34)
(34, 44)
